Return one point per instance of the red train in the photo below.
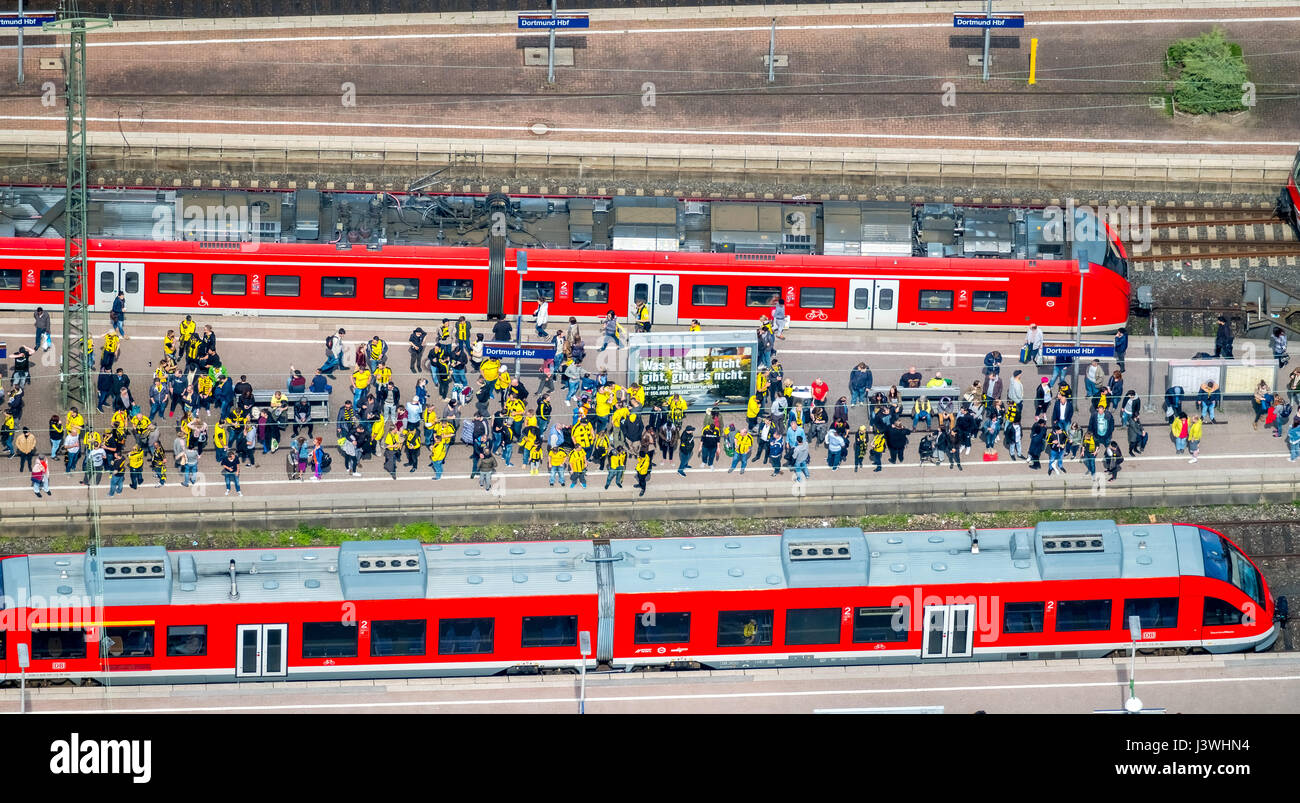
(804, 598)
(1288, 203)
(431, 281)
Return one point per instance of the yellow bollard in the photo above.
(1033, 59)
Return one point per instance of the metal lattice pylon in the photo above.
(74, 375)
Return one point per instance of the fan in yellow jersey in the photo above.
(559, 458)
(413, 446)
(577, 468)
(617, 462)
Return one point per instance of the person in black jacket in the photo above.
(417, 350)
(106, 387)
(1037, 441)
(633, 428)
(1223, 339)
(968, 427)
(950, 444)
(859, 384)
(896, 440)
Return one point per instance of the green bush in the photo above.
(1208, 72)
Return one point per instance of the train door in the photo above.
(659, 292)
(128, 277)
(261, 651)
(948, 631)
(873, 304)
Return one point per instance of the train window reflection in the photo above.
(58, 644)
(11, 279)
(862, 298)
(874, 625)
(455, 290)
(591, 292)
(399, 637)
(282, 286)
(329, 639)
(338, 287)
(465, 636)
(1086, 614)
(130, 641)
(989, 301)
(187, 640)
(940, 300)
(536, 291)
(812, 626)
(1154, 612)
(662, 628)
(176, 283)
(550, 631)
(709, 295)
(107, 281)
(229, 284)
(762, 296)
(744, 628)
(1218, 613)
(1023, 617)
(817, 297)
(401, 288)
(52, 280)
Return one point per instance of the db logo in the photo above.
(1051, 303)
(662, 650)
(59, 665)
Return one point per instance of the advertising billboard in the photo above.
(705, 368)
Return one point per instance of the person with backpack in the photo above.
(1223, 339)
(1281, 413)
(1037, 441)
(1278, 343)
(1114, 458)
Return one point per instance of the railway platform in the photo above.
(1237, 464)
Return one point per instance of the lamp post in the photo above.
(1133, 705)
(988, 14)
(521, 267)
(1084, 267)
(584, 646)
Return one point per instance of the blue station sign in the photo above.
(570, 21)
(1085, 350)
(9, 20)
(982, 21)
(524, 351)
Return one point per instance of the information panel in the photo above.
(705, 368)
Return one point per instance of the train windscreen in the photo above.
(1223, 561)
(1113, 261)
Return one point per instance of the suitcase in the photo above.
(1024, 353)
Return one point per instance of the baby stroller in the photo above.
(927, 452)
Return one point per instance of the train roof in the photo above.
(820, 558)
(356, 570)
(798, 558)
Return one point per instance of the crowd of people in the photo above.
(485, 413)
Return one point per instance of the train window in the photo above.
(131, 282)
(338, 287)
(640, 293)
(187, 640)
(11, 279)
(550, 631)
(464, 636)
(401, 288)
(885, 299)
(812, 626)
(939, 300)
(58, 645)
(862, 298)
(662, 628)
(1217, 612)
(329, 639)
(1155, 612)
(817, 297)
(1051, 290)
(1023, 617)
(989, 301)
(761, 296)
(176, 283)
(455, 290)
(709, 295)
(591, 292)
(744, 628)
(536, 291)
(1083, 614)
(229, 284)
(107, 282)
(288, 286)
(874, 625)
(665, 294)
(398, 637)
(129, 641)
(52, 279)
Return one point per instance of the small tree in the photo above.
(1208, 73)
